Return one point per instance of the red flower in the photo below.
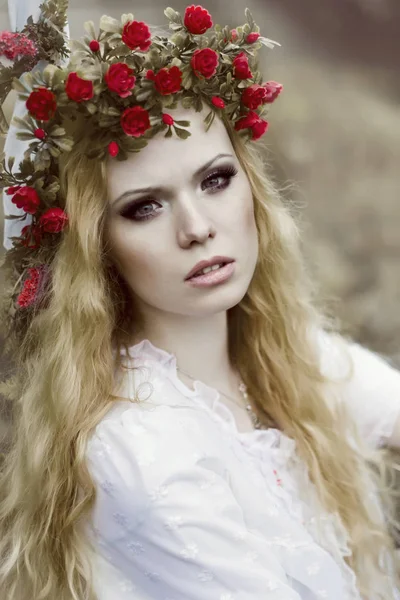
(234, 35)
(16, 44)
(241, 67)
(40, 133)
(11, 190)
(135, 121)
(218, 102)
(168, 80)
(167, 119)
(254, 96)
(53, 220)
(30, 288)
(150, 75)
(26, 198)
(273, 90)
(205, 62)
(120, 79)
(252, 37)
(252, 121)
(41, 104)
(31, 237)
(197, 19)
(78, 89)
(113, 149)
(136, 35)
(94, 46)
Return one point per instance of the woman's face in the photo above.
(173, 204)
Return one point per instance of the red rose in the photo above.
(254, 96)
(150, 75)
(53, 220)
(136, 35)
(218, 102)
(252, 121)
(94, 46)
(168, 80)
(234, 35)
(205, 62)
(113, 149)
(11, 190)
(273, 90)
(197, 19)
(26, 198)
(167, 119)
(252, 37)
(31, 237)
(41, 104)
(241, 67)
(120, 79)
(259, 128)
(135, 121)
(78, 89)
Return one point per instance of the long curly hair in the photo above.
(65, 377)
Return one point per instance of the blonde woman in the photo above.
(188, 426)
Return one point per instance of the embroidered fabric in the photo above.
(262, 531)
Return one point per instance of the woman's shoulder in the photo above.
(368, 383)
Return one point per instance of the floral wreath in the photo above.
(122, 81)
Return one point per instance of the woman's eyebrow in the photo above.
(148, 190)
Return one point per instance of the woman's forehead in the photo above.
(163, 157)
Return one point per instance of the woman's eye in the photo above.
(139, 211)
(219, 180)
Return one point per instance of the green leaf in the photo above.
(19, 86)
(89, 27)
(21, 123)
(182, 133)
(110, 25)
(198, 104)
(169, 132)
(187, 101)
(143, 95)
(268, 43)
(183, 123)
(24, 136)
(57, 132)
(55, 152)
(48, 75)
(172, 15)
(11, 162)
(249, 18)
(65, 144)
(91, 107)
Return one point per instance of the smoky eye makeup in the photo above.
(216, 180)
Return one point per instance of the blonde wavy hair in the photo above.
(64, 382)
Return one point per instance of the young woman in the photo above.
(188, 426)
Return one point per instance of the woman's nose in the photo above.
(192, 222)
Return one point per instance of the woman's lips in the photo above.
(213, 277)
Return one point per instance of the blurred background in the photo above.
(333, 142)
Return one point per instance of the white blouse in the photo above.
(189, 508)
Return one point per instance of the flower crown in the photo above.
(121, 81)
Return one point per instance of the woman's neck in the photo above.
(200, 345)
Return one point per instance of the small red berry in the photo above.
(252, 37)
(40, 133)
(218, 102)
(113, 149)
(167, 119)
(94, 46)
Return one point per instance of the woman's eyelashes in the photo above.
(219, 179)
